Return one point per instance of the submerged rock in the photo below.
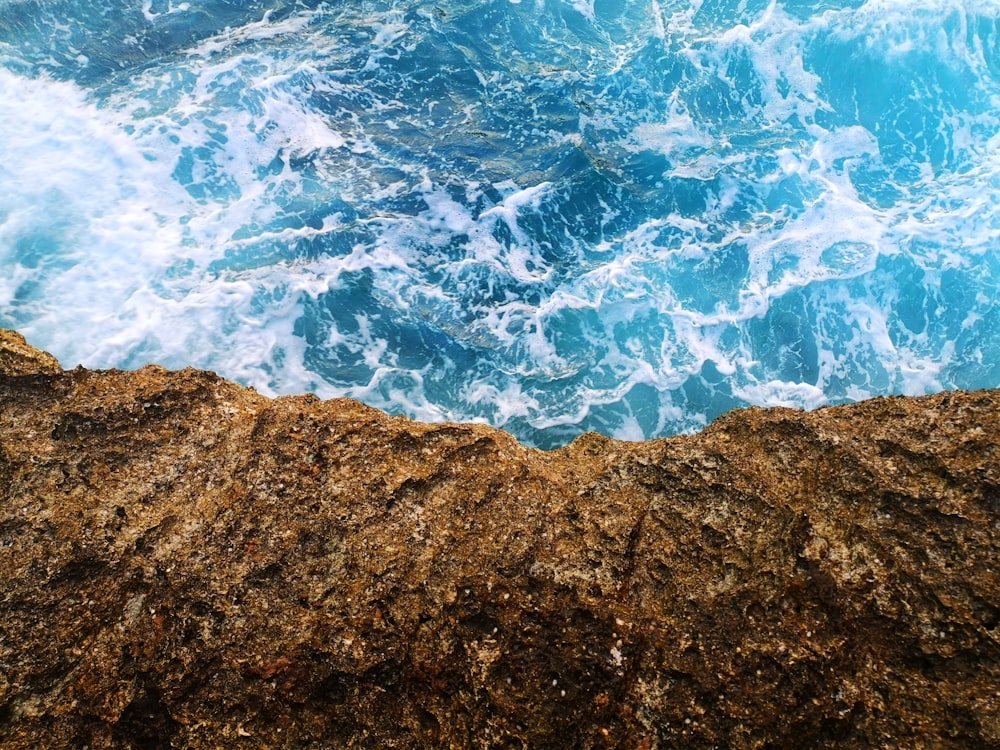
(185, 563)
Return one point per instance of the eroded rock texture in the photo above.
(184, 563)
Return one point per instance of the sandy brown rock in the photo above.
(185, 563)
(18, 357)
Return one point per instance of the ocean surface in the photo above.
(552, 216)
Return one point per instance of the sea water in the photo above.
(549, 215)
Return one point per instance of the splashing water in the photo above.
(551, 216)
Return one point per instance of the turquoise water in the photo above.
(552, 216)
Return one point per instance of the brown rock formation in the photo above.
(186, 563)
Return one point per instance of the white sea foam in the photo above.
(584, 217)
(87, 220)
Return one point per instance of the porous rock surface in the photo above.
(185, 563)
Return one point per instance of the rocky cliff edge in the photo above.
(185, 563)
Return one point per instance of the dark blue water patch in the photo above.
(917, 305)
(26, 297)
(116, 38)
(704, 397)
(709, 282)
(34, 250)
(359, 318)
(784, 341)
(904, 93)
(986, 33)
